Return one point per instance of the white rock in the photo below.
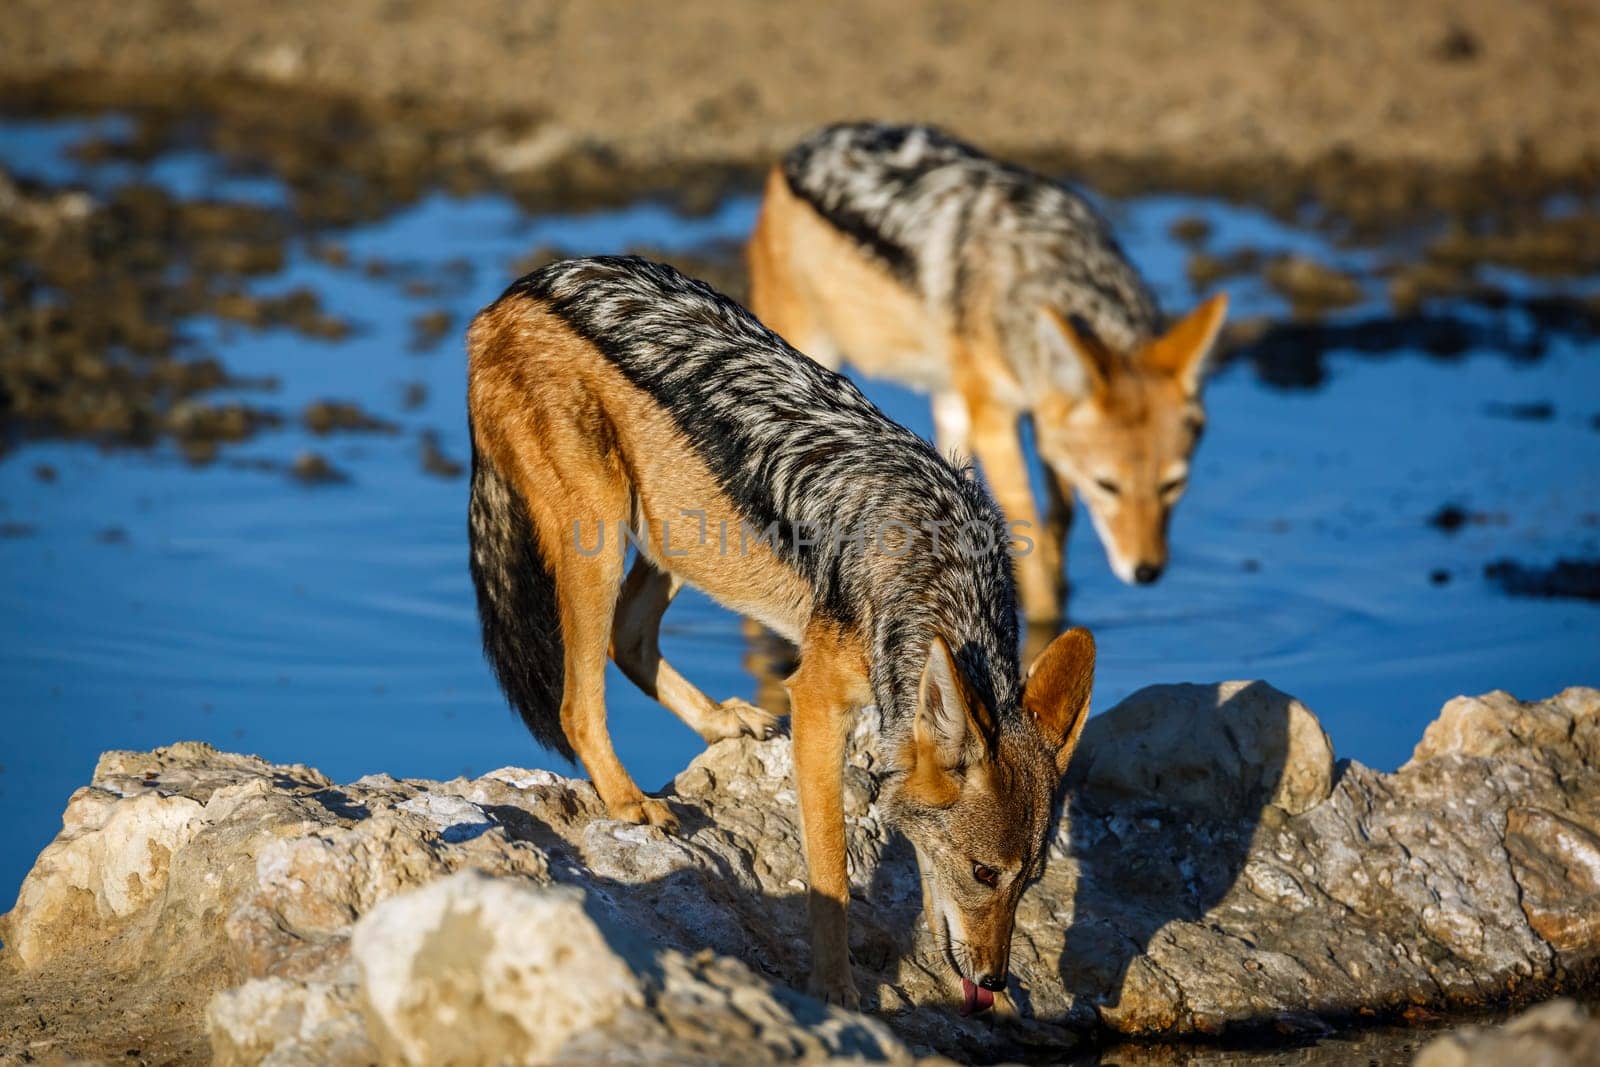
(112, 856)
(477, 970)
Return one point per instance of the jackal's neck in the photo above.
(1119, 314)
(966, 597)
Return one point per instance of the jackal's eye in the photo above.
(1171, 485)
(987, 875)
(1108, 486)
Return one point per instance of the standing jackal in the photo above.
(611, 393)
(919, 259)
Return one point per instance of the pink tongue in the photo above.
(975, 999)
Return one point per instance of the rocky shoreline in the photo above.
(1218, 873)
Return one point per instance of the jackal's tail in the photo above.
(516, 603)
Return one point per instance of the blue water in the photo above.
(335, 625)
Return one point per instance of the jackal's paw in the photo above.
(734, 717)
(840, 990)
(647, 811)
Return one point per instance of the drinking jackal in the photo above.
(615, 392)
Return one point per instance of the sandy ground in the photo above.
(1436, 86)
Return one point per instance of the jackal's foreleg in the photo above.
(823, 694)
(1057, 523)
(998, 446)
(635, 645)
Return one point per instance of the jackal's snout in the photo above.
(990, 966)
(978, 989)
(975, 942)
(1147, 573)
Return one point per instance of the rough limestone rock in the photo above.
(471, 962)
(1215, 870)
(1224, 750)
(1498, 723)
(1557, 1034)
(289, 1024)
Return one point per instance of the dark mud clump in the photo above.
(331, 253)
(1451, 518)
(1572, 579)
(1458, 45)
(1192, 230)
(434, 460)
(429, 328)
(1531, 411)
(324, 417)
(1564, 245)
(312, 468)
(1411, 285)
(92, 297)
(300, 310)
(1312, 288)
(1206, 269)
(200, 429)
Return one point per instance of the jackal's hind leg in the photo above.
(587, 590)
(635, 646)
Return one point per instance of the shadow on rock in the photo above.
(1167, 790)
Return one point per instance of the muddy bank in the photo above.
(1218, 874)
(104, 287)
(101, 296)
(96, 293)
(1446, 101)
(104, 290)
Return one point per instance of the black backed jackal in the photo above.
(919, 259)
(612, 393)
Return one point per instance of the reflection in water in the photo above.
(770, 659)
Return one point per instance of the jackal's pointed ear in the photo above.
(1185, 348)
(953, 727)
(1082, 365)
(1056, 693)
